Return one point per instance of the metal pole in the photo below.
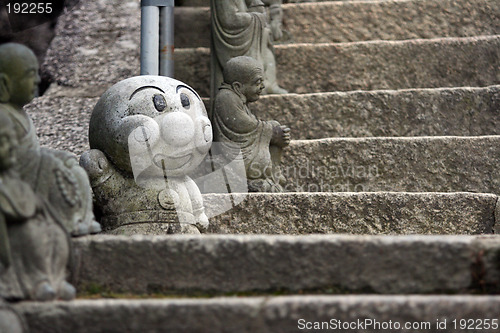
(167, 41)
(157, 37)
(150, 40)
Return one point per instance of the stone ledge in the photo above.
(254, 314)
(433, 63)
(415, 164)
(87, 62)
(327, 22)
(62, 115)
(381, 213)
(231, 263)
(416, 112)
(322, 22)
(421, 63)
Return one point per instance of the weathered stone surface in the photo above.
(201, 3)
(92, 18)
(62, 118)
(426, 164)
(367, 66)
(62, 122)
(354, 213)
(180, 263)
(326, 22)
(447, 62)
(283, 314)
(446, 164)
(93, 64)
(419, 112)
(486, 266)
(112, 16)
(192, 26)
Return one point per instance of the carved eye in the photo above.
(185, 101)
(160, 103)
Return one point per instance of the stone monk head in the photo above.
(246, 77)
(19, 77)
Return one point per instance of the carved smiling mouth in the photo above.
(171, 162)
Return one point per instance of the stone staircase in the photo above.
(394, 108)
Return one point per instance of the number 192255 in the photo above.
(29, 8)
(475, 324)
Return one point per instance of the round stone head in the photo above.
(19, 77)
(151, 124)
(245, 75)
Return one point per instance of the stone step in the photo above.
(417, 112)
(321, 22)
(327, 22)
(411, 164)
(380, 213)
(415, 164)
(205, 3)
(94, 64)
(218, 264)
(421, 63)
(62, 119)
(282, 314)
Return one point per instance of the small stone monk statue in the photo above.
(237, 129)
(34, 249)
(55, 176)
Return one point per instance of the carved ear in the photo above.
(237, 86)
(4, 88)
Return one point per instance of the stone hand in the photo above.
(202, 221)
(281, 136)
(286, 134)
(276, 29)
(96, 165)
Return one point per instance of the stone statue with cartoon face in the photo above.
(147, 133)
(54, 175)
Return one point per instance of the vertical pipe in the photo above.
(150, 40)
(167, 40)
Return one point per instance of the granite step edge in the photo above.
(260, 314)
(182, 264)
(357, 213)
